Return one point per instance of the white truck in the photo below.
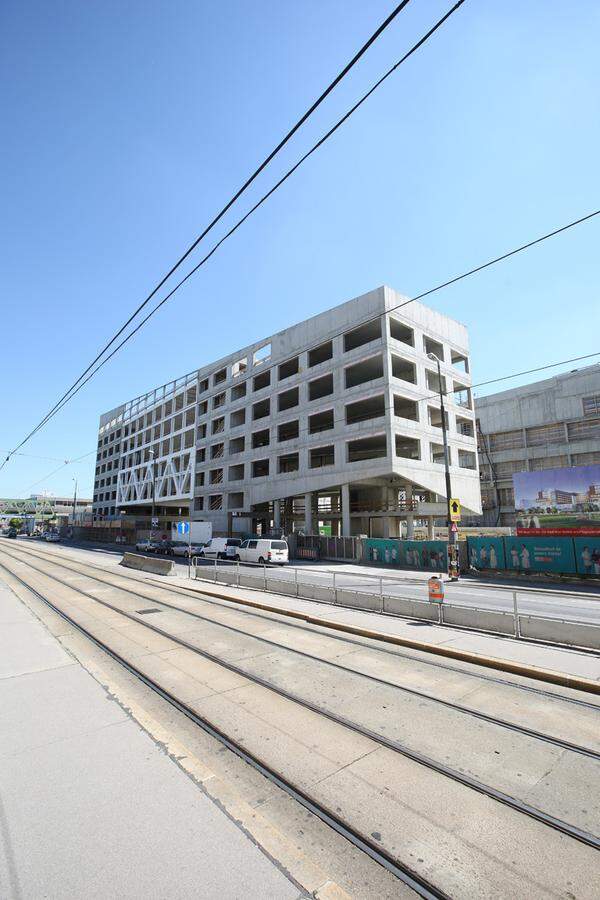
(201, 532)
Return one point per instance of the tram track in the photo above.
(293, 623)
(518, 805)
(423, 695)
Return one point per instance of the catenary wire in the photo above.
(339, 77)
(74, 390)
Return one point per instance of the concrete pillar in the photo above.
(345, 498)
(430, 528)
(276, 514)
(410, 519)
(308, 513)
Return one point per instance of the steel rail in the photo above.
(312, 629)
(423, 695)
(520, 806)
(401, 871)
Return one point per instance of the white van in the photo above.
(221, 548)
(263, 550)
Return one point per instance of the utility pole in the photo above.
(74, 500)
(452, 535)
(153, 491)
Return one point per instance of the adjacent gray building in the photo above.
(545, 425)
(333, 423)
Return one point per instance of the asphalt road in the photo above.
(581, 604)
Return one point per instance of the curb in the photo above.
(549, 676)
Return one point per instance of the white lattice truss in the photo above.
(135, 485)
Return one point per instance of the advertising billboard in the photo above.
(408, 554)
(558, 501)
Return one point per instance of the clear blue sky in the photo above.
(127, 125)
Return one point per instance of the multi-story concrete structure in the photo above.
(335, 420)
(545, 425)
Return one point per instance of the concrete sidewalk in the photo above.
(89, 804)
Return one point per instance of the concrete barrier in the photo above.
(147, 564)
(414, 609)
(480, 619)
(557, 631)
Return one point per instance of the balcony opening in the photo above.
(367, 448)
(466, 427)
(403, 369)
(321, 457)
(261, 409)
(467, 459)
(235, 500)
(261, 438)
(218, 400)
(288, 399)
(262, 355)
(363, 410)
(238, 391)
(220, 376)
(260, 468)
(201, 432)
(288, 463)
(203, 386)
(459, 361)
(405, 408)
(203, 408)
(322, 421)
(215, 476)
(320, 354)
(218, 425)
(363, 372)
(239, 368)
(462, 395)
(288, 431)
(434, 416)
(364, 334)
(217, 450)
(237, 418)
(261, 381)
(433, 381)
(407, 447)
(437, 454)
(236, 473)
(432, 346)
(237, 445)
(401, 332)
(320, 387)
(288, 368)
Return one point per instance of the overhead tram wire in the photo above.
(339, 77)
(67, 462)
(79, 383)
(404, 303)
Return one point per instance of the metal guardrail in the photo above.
(298, 584)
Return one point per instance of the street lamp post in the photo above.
(74, 502)
(153, 491)
(452, 535)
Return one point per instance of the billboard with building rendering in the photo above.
(558, 501)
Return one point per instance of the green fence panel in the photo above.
(486, 552)
(424, 555)
(540, 554)
(587, 555)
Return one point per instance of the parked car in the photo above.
(163, 546)
(221, 548)
(53, 537)
(264, 550)
(11, 533)
(182, 548)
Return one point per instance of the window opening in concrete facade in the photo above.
(462, 394)
(235, 500)
(261, 355)
(407, 447)
(179, 401)
(432, 346)
(261, 381)
(199, 480)
(548, 462)
(591, 405)
(459, 361)
(288, 368)
(239, 368)
(188, 439)
(435, 417)
(321, 421)
(364, 334)
(203, 386)
(363, 372)
(466, 459)
(260, 468)
(215, 501)
(437, 454)
(465, 426)
(584, 431)
(237, 418)
(201, 432)
(218, 425)
(320, 387)
(403, 369)
(203, 408)
(236, 473)
(238, 391)
(320, 354)
(237, 445)
(218, 400)
(190, 416)
(216, 476)
(322, 456)
(401, 332)
(405, 408)
(503, 440)
(220, 376)
(175, 443)
(261, 409)
(217, 450)
(288, 431)
(288, 399)
(363, 410)
(261, 438)
(545, 434)
(433, 382)
(288, 463)
(367, 448)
